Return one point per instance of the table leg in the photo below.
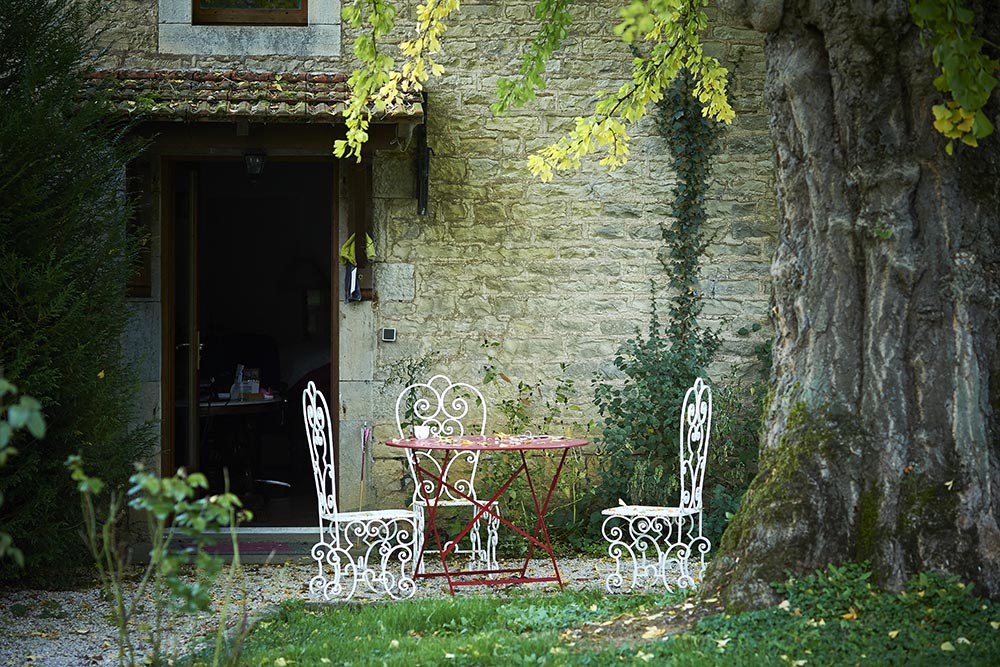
(541, 510)
(540, 530)
(432, 507)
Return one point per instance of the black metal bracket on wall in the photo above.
(423, 170)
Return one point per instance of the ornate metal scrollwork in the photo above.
(658, 545)
(375, 548)
(447, 408)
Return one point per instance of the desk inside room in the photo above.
(232, 433)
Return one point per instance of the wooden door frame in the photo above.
(175, 143)
(168, 166)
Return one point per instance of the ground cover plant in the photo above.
(464, 630)
(833, 617)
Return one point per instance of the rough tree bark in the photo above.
(881, 441)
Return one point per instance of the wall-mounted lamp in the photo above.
(404, 133)
(255, 162)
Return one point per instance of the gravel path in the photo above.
(72, 628)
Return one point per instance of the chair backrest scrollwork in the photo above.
(696, 427)
(319, 433)
(449, 409)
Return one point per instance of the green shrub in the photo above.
(64, 264)
(25, 413)
(641, 411)
(641, 415)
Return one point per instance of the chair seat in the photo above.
(371, 515)
(648, 510)
(445, 503)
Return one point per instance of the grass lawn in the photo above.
(831, 618)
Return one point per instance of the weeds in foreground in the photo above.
(835, 617)
(173, 510)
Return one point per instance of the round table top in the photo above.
(489, 442)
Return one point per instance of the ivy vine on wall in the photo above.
(641, 414)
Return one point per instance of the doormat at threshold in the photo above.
(251, 548)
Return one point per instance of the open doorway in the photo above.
(252, 302)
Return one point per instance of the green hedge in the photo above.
(64, 263)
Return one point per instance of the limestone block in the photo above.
(486, 167)
(395, 282)
(448, 208)
(357, 341)
(315, 40)
(355, 400)
(448, 170)
(142, 339)
(391, 475)
(394, 176)
(147, 404)
(349, 471)
(479, 146)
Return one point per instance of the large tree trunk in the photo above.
(881, 442)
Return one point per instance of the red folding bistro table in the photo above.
(433, 483)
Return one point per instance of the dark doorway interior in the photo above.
(263, 302)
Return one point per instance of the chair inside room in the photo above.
(654, 545)
(448, 409)
(375, 548)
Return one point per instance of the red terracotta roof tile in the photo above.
(232, 94)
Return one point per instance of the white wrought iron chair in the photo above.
(662, 543)
(374, 547)
(445, 407)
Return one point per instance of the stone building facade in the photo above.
(554, 274)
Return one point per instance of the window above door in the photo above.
(250, 12)
(250, 27)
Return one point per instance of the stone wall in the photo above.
(555, 273)
(561, 272)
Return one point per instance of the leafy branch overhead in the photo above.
(376, 84)
(966, 72)
(666, 36)
(667, 30)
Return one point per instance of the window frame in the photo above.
(176, 34)
(250, 17)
